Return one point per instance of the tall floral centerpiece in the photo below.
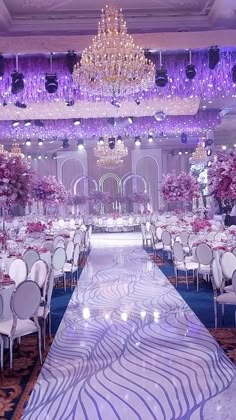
(50, 192)
(15, 181)
(76, 201)
(222, 175)
(180, 188)
(98, 200)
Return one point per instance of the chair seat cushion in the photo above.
(191, 265)
(204, 269)
(42, 312)
(227, 298)
(23, 327)
(186, 249)
(69, 267)
(167, 248)
(57, 273)
(158, 246)
(228, 289)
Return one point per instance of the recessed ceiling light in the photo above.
(15, 123)
(28, 142)
(27, 123)
(40, 142)
(77, 122)
(223, 147)
(137, 141)
(180, 153)
(150, 138)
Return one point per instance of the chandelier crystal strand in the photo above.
(199, 156)
(113, 66)
(110, 158)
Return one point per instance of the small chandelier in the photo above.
(113, 66)
(16, 150)
(108, 157)
(199, 156)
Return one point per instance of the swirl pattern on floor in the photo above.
(128, 347)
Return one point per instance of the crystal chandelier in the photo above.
(110, 158)
(199, 156)
(113, 66)
(15, 150)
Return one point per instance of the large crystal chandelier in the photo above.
(110, 158)
(113, 66)
(199, 156)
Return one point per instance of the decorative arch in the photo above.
(82, 178)
(106, 176)
(69, 167)
(149, 167)
(135, 176)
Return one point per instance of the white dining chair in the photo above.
(73, 267)
(39, 273)
(44, 310)
(167, 242)
(23, 310)
(184, 237)
(204, 257)
(181, 263)
(58, 262)
(30, 257)
(234, 251)
(69, 251)
(58, 238)
(47, 257)
(18, 271)
(218, 284)
(228, 266)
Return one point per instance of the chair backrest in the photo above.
(1, 306)
(30, 257)
(184, 238)
(39, 272)
(178, 252)
(234, 251)
(47, 245)
(211, 236)
(49, 290)
(60, 244)
(46, 256)
(58, 258)
(69, 250)
(78, 238)
(18, 271)
(166, 238)
(159, 231)
(204, 254)
(25, 300)
(233, 282)
(76, 255)
(228, 264)
(217, 274)
(56, 240)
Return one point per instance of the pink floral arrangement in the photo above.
(179, 188)
(3, 238)
(36, 227)
(100, 197)
(222, 175)
(199, 224)
(77, 199)
(15, 180)
(49, 190)
(139, 198)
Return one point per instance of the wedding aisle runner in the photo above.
(129, 347)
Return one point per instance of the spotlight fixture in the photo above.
(54, 156)
(39, 157)
(27, 123)
(38, 123)
(15, 123)
(40, 142)
(21, 105)
(70, 102)
(65, 143)
(130, 120)
(51, 82)
(115, 103)
(161, 77)
(137, 101)
(223, 147)
(180, 153)
(80, 145)
(159, 116)
(46, 156)
(28, 142)
(184, 138)
(137, 141)
(209, 163)
(2, 65)
(209, 152)
(119, 140)
(29, 156)
(208, 142)
(190, 70)
(111, 121)
(71, 60)
(17, 80)
(213, 57)
(234, 74)
(101, 140)
(150, 138)
(112, 143)
(77, 122)
(186, 152)
(172, 153)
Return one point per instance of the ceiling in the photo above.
(81, 16)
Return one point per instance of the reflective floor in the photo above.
(129, 347)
